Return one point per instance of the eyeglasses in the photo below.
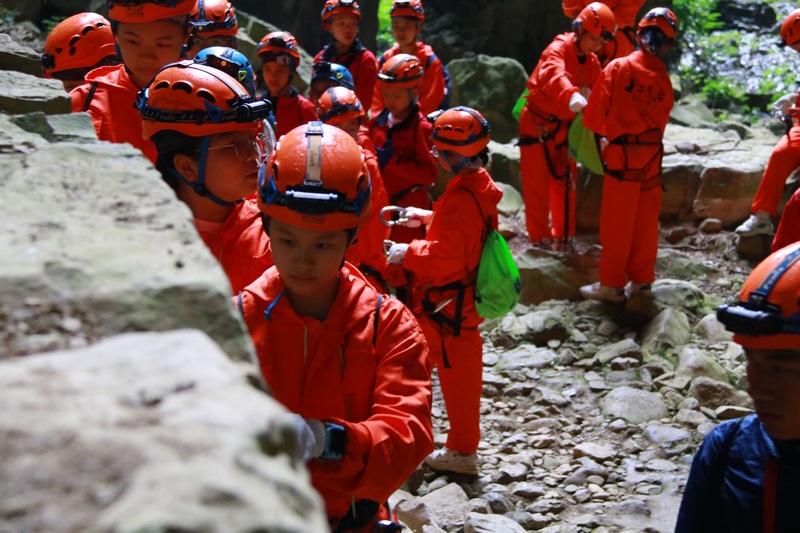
(245, 148)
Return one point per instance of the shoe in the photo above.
(596, 291)
(632, 288)
(759, 224)
(446, 460)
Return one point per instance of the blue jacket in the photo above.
(725, 488)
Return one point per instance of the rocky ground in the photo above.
(591, 411)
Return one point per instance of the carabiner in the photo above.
(387, 245)
(401, 215)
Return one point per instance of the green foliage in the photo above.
(696, 17)
(8, 15)
(384, 37)
(49, 23)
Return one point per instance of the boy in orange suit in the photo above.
(630, 108)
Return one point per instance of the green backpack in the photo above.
(583, 146)
(523, 99)
(498, 285)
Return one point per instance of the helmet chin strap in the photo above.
(199, 186)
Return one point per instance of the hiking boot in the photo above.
(446, 460)
(758, 224)
(633, 288)
(596, 291)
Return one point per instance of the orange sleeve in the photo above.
(625, 12)
(552, 80)
(596, 111)
(377, 105)
(432, 91)
(367, 76)
(572, 7)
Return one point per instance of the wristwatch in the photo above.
(335, 441)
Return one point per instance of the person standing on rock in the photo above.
(630, 108)
(350, 363)
(785, 157)
(210, 155)
(746, 475)
(625, 12)
(558, 88)
(443, 268)
(149, 35)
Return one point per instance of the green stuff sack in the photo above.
(498, 285)
(583, 146)
(523, 99)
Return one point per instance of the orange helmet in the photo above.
(660, 18)
(339, 104)
(461, 130)
(214, 16)
(147, 10)
(790, 32)
(316, 179)
(597, 19)
(278, 45)
(197, 100)
(402, 70)
(339, 7)
(767, 315)
(77, 44)
(408, 8)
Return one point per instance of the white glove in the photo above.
(781, 106)
(603, 143)
(416, 217)
(397, 253)
(585, 91)
(577, 102)
(310, 438)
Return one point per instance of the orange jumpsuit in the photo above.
(331, 370)
(367, 252)
(784, 160)
(788, 231)
(291, 111)
(407, 166)
(450, 253)
(431, 93)
(625, 12)
(240, 244)
(361, 64)
(548, 172)
(112, 96)
(630, 106)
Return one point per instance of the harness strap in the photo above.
(89, 96)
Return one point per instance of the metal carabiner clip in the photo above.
(401, 215)
(387, 245)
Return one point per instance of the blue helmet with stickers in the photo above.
(333, 72)
(230, 61)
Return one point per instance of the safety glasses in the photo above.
(246, 149)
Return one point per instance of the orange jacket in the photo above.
(558, 75)
(633, 95)
(369, 247)
(361, 64)
(625, 11)
(241, 245)
(453, 244)
(332, 371)
(291, 111)
(112, 109)
(431, 92)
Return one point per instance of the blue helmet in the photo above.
(334, 72)
(231, 62)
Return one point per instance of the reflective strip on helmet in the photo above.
(314, 154)
(760, 295)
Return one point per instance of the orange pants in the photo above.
(628, 231)
(784, 160)
(544, 195)
(462, 383)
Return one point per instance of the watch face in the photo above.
(335, 441)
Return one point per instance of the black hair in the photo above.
(169, 144)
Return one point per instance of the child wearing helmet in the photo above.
(745, 477)
(443, 268)
(213, 23)
(401, 135)
(629, 108)
(230, 61)
(149, 34)
(407, 18)
(76, 46)
(558, 89)
(349, 363)
(785, 157)
(325, 75)
(625, 11)
(340, 107)
(341, 18)
(280, 57)
(210, 156)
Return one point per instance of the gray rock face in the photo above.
(146, 432)
(634, 405)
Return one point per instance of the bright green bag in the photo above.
(523, 99)
(583, 146)
(498, 285)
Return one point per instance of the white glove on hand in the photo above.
(577, 102)
(603, 143)
(397, 253)
(585, 91)
(416, 217)
(310, 438)
(781, 106)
